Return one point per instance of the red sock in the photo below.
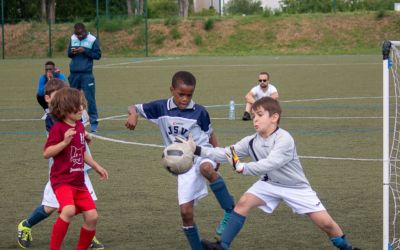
(60, 229)
(85, 238)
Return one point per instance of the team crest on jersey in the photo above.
(76, 155)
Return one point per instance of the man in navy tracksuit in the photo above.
(82, 49)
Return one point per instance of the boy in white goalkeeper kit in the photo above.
(179, 116)
(275, 160)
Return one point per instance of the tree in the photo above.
(44, 11)
(183, 8)
(129, 7)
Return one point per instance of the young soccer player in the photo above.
(49, 202)
(275, 160)
(179, 116)
(66, 145)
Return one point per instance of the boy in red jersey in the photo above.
(66, 144)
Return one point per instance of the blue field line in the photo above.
(23, 133)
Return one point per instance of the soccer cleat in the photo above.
(222, 223)
(208, 245)
(96, 244)
(24, 235)
(246, 116)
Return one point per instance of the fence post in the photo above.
(146, 28)
(2, 28)
(97, 20)
(334, 6)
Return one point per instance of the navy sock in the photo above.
(233, 227)
(36, 216)
(341, 242)
(220, 190)
(192, 235)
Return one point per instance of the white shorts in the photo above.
(192, 185)
(301, 201)
(50, 200)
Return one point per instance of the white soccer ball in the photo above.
(177, 158)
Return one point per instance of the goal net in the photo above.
(391, 145)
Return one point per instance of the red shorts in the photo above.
(80, 198)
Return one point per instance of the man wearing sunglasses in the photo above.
(264, 88)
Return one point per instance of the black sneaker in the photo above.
(246, 116)
(208, 245)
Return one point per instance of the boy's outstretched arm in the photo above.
(93, 164)
(132, 117)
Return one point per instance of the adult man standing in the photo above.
(264, 88)
(82, 49)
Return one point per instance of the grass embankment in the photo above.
(340, 33)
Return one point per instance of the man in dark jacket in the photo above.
(82, 49)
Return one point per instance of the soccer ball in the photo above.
(177, 158)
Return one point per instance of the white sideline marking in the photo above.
(287, 117)
(287, 101)
(229, 65)
(304, 157)
(161, 146)
(125, 63)
(335, 98)
(338, 158)
(126, 142)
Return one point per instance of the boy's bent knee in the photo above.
(207, 170)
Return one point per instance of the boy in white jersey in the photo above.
(264, 88)
(282, 178)
(179, 116)
(49, 202)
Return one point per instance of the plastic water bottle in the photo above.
(231, 109)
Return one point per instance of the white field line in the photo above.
(161, 146)
(303, 157)
(133, 62)
(287, 101)
(226, 65)
(288, 117)
(126, 142)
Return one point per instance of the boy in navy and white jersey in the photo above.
(179, 116)
(282, 178)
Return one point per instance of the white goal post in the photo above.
(391, 153)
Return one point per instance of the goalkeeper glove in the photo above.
(233, 159)
(189, 142)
